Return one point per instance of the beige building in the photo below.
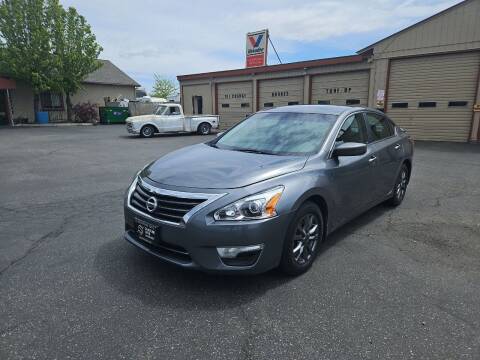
(16, 98)
(425, 77)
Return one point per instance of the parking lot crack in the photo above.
(50, 235)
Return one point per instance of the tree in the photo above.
(46, 46)
(25, 49)
(163, 88)
(75, 50)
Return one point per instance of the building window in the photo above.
(225, 105)
(457, 103)
(400, 105)
(323, 102)
(427, 104)
(293, 103)
(51, 101)
(269, 104)
(352, 102)
(244, 105)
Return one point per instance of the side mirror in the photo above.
(349, 149)
(220, 133)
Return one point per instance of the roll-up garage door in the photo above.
(280, 92)
(432, 97)
(348, 88)
(235, 102)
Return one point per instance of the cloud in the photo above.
(170, 38)
(312, 22)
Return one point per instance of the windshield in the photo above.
(278, 133)
(160, 110)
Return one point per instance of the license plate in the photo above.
(145, 231)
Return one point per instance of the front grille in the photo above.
(169, 208)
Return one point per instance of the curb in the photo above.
(52, 125)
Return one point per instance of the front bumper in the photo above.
(194, 245)
(132, 129)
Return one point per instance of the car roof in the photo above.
(315, 109)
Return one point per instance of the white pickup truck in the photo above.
(169, 118)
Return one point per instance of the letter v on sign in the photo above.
(255, 42)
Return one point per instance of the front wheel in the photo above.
(204, 128)
(147, 131)
(303, 240)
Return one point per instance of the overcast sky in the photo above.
(170, 38)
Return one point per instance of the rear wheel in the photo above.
(400, 187)
(204, 128)
(147, 131)
(303, 240)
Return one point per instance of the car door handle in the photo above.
(397, 146)
(372, 159)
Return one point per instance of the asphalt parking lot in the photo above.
(400, 284)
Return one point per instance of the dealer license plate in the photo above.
(145, 231)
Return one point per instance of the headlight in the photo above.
(259, 206)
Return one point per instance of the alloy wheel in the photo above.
(402, 185)
(305, 239)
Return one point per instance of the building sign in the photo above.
(236, 96)
(380, 98)
(279, 93)
(256, 53)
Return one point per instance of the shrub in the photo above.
(86, 112)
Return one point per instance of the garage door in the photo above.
(280, 92)
(235, 102)
(349, 88)
(432, 96)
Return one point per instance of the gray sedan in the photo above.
(268, 191)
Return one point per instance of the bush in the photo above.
(86, 112)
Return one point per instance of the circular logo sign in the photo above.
(151, 204)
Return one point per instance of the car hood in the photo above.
(202, 166)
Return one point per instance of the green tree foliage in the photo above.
(46, 46)
(75, 50)
(25, 47)
(162, 88)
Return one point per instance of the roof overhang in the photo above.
(275, 68)
(7, 84)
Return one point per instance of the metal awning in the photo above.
(7, 84)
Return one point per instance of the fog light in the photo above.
(233, 252)
(240, 255)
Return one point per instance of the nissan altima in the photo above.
(267, 192)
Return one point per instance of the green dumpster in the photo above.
(113, 115)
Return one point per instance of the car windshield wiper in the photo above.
(255, 151)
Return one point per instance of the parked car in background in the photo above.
(170, 118)
(268, 191)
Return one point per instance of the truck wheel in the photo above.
(204, 129)
(147, 131)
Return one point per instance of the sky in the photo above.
(171, 38)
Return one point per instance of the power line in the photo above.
(273, 46)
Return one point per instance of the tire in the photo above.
(300, 249)
(400, 187)
(204, 129)
(147, 131)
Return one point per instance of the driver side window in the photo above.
(172, 110)
(352, 130)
